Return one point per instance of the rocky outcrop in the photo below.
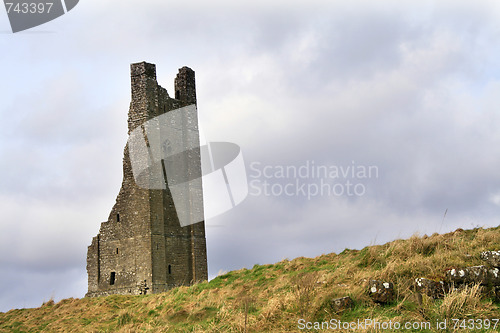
(492, 258)
(474, 275)
(455, 278)
(341, 304)
(431, 288)
(381, 292)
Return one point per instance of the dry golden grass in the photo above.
(272, 298)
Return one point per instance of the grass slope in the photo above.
(272, 298)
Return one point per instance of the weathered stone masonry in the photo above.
(142, 248)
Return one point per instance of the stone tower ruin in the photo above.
(142, 248)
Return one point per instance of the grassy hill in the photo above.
(272, 298)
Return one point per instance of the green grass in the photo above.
(273, 297)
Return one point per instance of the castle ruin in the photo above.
(142, 248)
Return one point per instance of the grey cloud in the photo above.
(411, 90)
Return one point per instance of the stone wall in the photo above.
(142, 248)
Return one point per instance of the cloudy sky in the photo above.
(410, 88)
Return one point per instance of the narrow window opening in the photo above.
(169, 269)
(177, 94)
(112, 278)
(117, 217)
(116, 250)
(157, 247)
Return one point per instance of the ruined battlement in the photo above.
(185, 89)
(143, 68)
(142, 248)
